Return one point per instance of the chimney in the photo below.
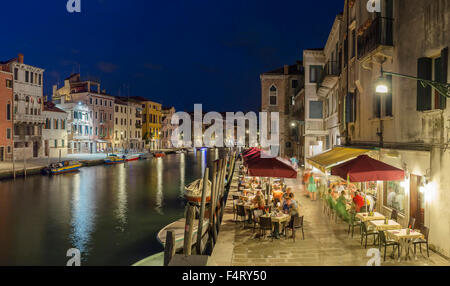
(20, 58)
(286, 69)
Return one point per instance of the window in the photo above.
(27, 99)
(353, 43)
(31, 77)
(273, 95)
(40, 79)
(90, 100)
(8, 133)
(394, 195)
(56, 143)
(62, 143)
(435, 69)
(315, 110)
(8, 111)
(27, 75)
(294, 83)
(16, 74)
(314, 73)
(9, 83)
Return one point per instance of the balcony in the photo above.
(378, 37)
(30, 119)
(328, 78)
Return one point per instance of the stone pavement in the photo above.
(326, 243)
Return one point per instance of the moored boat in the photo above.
(114, 159)
(145, 156)
(159, 155)
(193, 191)
(63, 167)
(132, 157)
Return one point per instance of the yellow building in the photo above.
(151, 123)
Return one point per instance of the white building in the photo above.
(28, 101)
(127, 125)
(167, 127)
(54, 133)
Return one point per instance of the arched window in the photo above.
(16, 97)
(273, 95)
(27, 99)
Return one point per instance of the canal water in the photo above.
(112, 214)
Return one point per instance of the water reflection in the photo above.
(121, 211)
(159, 186)
(83, 202)
(203, 150)
(182, 174)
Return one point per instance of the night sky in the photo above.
(177, 52)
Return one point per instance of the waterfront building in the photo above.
(280, 90)
(406, 126)
(151, 123)
(28, 100)
(99, 107)
(316, 136)
(167, 127)
(54, 133)
(127, 125)
(6, 108)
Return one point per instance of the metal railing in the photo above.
(380, 33)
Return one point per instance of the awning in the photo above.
(101, 141)
(366, 169)
(272, 168)
(339, 154)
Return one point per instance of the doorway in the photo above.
(417, 201)
(35, 149)
(2, 154)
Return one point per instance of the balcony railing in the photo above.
(331, 68)
(379, 33)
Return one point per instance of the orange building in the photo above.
(6, 120)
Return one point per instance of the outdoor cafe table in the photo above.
(364, 217)
(405, 240)
(381, 226)
(277, 220)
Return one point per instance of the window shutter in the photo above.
(424, 71)
(443, 76)
(349, 108)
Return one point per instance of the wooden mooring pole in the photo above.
(202, 213)
(188, 230)
(169, 249)
(212, 205)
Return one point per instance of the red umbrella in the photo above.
(252, 152)
(248, 150)
(271, 167)
(366, 169)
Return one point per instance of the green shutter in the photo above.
(424, 71)
(443, 76)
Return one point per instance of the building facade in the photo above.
(151, 123)
(6, 114)
(279, 90)
(127, 125)
(315, 133)
(27, 112)
(167, 127)
(99, 107)
(54, 133)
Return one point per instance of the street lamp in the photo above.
(383, 88)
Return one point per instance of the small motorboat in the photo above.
(131, 157)
(160, 155)
(193, 191)
(114, 159)
(62, 167)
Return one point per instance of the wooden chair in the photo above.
(241, 213)
(426, 232)
(265, 224)
(353, 222)
(256, 214)
(385, 242)
(365, 233)
(295, 223)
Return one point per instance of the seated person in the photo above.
(358, 200)
(294, 209)
(330, 199)
(341, 207)
(259, 201)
